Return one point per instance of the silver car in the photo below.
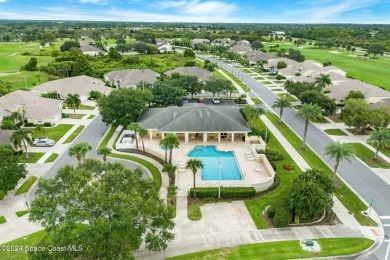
(44, 142)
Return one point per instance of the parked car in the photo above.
(215, 100)
(201, 100)
(272, 73)
(44, 142)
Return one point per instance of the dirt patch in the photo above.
(336, 118)
(359, 131)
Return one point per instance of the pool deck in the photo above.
(184, 177)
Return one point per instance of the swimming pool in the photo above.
(212, 159)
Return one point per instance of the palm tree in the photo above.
(8, 86)
(104, 151)
(80, 150)
(135, 127)
(339, 151)
(67, 68)
(16, 117)
(142, 132)
(282, 103)
(252, 114)
(194, 165)
(73, 101)
(170, 169)
(323, 81)
(380, 138)
(172, 141)
(164, 143)
(309, 112)
(20, 137)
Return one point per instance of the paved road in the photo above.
(92, 134)
(357, 174)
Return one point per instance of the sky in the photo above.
(202, 11)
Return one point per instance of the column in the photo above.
(151, 134)
(219, 137)
(162, 135)
(232, 137)
(186, 137)
(204, 137)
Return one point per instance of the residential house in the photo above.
(256, 56)
(34, 108)
(241, 47)
(226, 42)
(163, 46)
(5, 136)
(200, 41)
(202, 74)
(382, 103)
(327, 70)
(87, 47)
(81, 85)
(130, 78)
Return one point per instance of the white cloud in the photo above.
(93, 1)
(3, 1)
(197, 7)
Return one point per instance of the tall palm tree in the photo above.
(104, 151)
(172, 141)
(16, 117)
(194, 165)
(282, 103)
(309, 112)
(73, 101)
(164, 143)
(170, 169)
(67, 68)
(20, 137)
(135, 127)
(339, 151)
(142, 132)
(80, 150)
(252, 114)
(323, 81)
(380, 138)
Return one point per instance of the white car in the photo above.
(44, 142)
(215, 100)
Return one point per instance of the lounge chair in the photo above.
(250, 158)
(258, 170)
(248, 153)
(182, 165)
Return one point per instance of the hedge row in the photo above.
(226, 192)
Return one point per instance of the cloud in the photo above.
(3, 1)
(197, 7)
(93, 1)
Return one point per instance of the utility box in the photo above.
(309, 243)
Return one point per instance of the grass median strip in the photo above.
(30, 240)
(52, 158)
(91, 116)
(74, 134)
(107, 137)
(367, 156)
(26, 185)
(344, 194)
(22, 212)
(239, 82)
(284, 250)
(194, 212)
(32, 157)
(335, 131)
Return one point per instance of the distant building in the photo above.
(200, 41)
(202, 74)
(130, 78)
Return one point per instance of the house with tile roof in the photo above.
(202, 74)
(130, 78)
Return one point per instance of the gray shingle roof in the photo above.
(197, 118)
(202, 74)
(130, 78)
(5, 136)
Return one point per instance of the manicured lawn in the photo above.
(218, 75)
(77, 116)
(334, 132)
(91, 117)
(32, 157)
(153, 169)
(284, 250)
(2, 195)
(277, 90)
(22, 212)
(385, 151)
(107, 137)
(26, 185)
(55, 133)
(74, 134)
(297, 107)
(258, 78)
(320, 121)
(194, 212)
(256, 100)
(24, 80)
(52, 158)
(84, 107)
(2, 220)
(30, 240)
(366, 155)
(246, 71)
(343, 193)
(291, 98)
(266, 82)
(239, 82)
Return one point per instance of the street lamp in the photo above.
(219, 183)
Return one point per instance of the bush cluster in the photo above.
(226, 192)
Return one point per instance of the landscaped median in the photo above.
(366, 155)
(239, 82)
(347, 197)
(26, 185)
(284, 250)
(74, 134)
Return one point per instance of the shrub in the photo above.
(226, 192)
(288, 167)
(47, 124)
(65, 115)
(271, 211)
(282, 218)
(326, 91)
(279, 77)
(28, 124)
(277, 157)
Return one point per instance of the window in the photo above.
(39, 121)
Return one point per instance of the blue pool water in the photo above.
(212, 159)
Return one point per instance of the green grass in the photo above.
(30, 240)
(320, 121)
(256, 100)
(26, 185)
(22, 212)
(291, 98)
(256, 206)
(52, 158)
(107, 137)
(2, 220)
(84, 107)
(385, 151)
(32, 157)
(334, 132)
(344, 194)
(246, 71)
(239, 82)
(266, 82)
(74, 134)
(78, 116)
(284, 250)
(366, 155)
(218, 75)
(24, 80)
(194, 212)
(2, 195)
(258, 78)
(55, 133)
(91, 117)
(153, 169)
